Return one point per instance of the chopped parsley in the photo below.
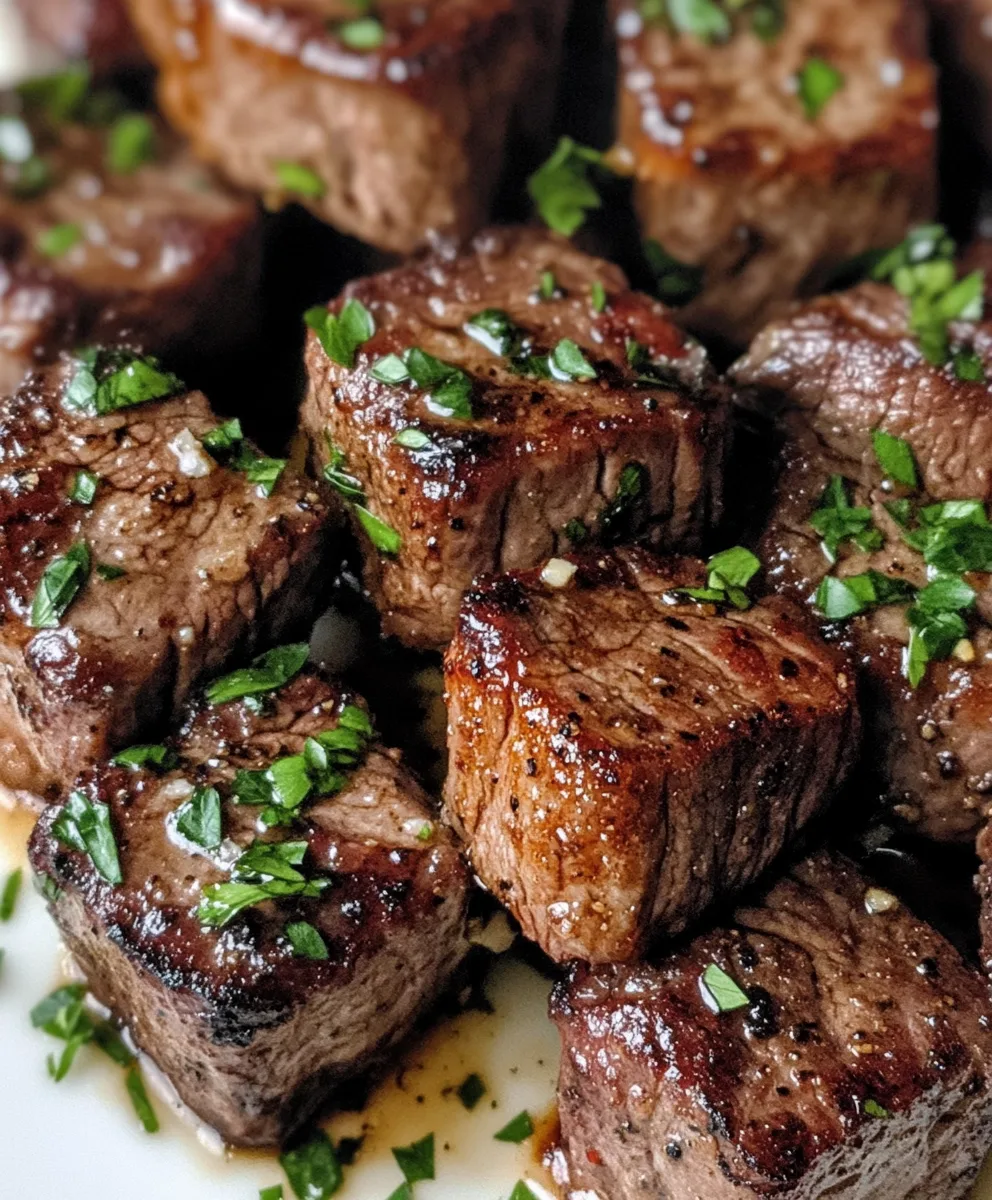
(58, 96)
(265, 871)
(57, 240)
(58, 586)
(152, 755)
(130, 143)
(874, 1109)
(264, 472)
(63, 1015)
(719, 990)
(449, 388)
(222, 441)
(838, 521)
(817, 83)
(470, 1091)
(576, 531)
(299, 180)
(108, 380)
(84, 485)
(140, 1102)
(382, 536)
(412, 438)
(839, 598)
(8, 897)
(561, 188)
(516, 1131)
(895, 457)
(362, 33)
(306, 940)
(547, 286)
(416, 1161)
(109, 572)
(729, 574)
(521, 1191)
(711, 20)
(341, 334)
(271, 1193)
(268, 672)
(597, 296)
(199, 818)
(567, 363)
(85, 825)
(312, 1169)
(619, 519)
(675, 282)
(922, 268)
(494, 329)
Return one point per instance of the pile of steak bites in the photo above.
(708, 559)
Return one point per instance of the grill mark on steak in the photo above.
(661, 1095)
(603, 807)
(730, 174)
(408, 139)
(212, 569)
(496, 492)
(251, 1036)
(830, 373)
(168, 259)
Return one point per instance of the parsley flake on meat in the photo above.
(267, 673)
(59, 586)
(561, 188)
(720, 991)
(265, 871)
(108, 380)
(382, 536)
(313, 1169)
(817, 83)
(341, 335)
(729, 574)
(85, 825)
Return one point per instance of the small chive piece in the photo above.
(874, 1109)
(817, 83)
(130, 143)
(720, 992)
(704, 19)
(108, 572)
(895, 457)
(139, 1099)
(516, 1131)
(416, 1161)
(312, 1169)
(363, 33)
(264, 472)
(8, 897)
(597, 296)
(84, 485)
(470, 1091)
(58, 586)
(57, 240)
(300, 180)
(306, 940)
(547, 285)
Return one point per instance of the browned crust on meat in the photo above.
(251, 1035)
(835, 370)
(619, 754)
(408, 138)
(169, 259)
(495, 493)
(212, 568)
(659, 1094)
(731, 175)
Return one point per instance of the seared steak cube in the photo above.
(835, 372)
(259, 972)
(389, 127)
(116, 233)
(825, 1043)
(98, 31)
(513, 400)
(132, 560)
(621, 754)
(766, 157)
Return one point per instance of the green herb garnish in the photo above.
(675, 282)
(495, 330)
(342, 334)
(412, 438)
(156, 756)
(817, 83)
(8, 897)
(257, 469)
(363, 33)
(222, 441)
(199, 818)
(567, 362)
(306, 940)
(108, 380)
(382, 536)
(730, 572)
(874, 1109)
(58, 586)
(57, 240)
(312, 1169)
(300, 180)
(59, 96)
(597, 296)
(268, 672)
(265, 871)
(85, 825)
(895, 457)
(470, 1091)
(140, 1102)
(561, 188)
(517, 1130)
(625, 512)
(84, 485)
(130, 143)
(720, 991)
(416, 1161)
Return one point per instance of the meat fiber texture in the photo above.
(189, 565)
(621, 755)
(734, 176)
(831, 373)
(857, 1066)
(539, 463)
(407, 137)
(254, 1037)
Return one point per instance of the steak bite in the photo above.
(259, 973)
(98, 31)
(116, 234)
(621, 753)
(132, 561)
(835, 371)
(389, 127)
(767, 153)
(824, 1043)
(513, 400)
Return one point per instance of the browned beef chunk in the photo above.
(856, 1065)
(621, 754)
(160, 255)
(99, 31)
(838, 369)
(124, 584)
(628, 441)
(735, 175)
(396, 136)
(253, 1031)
